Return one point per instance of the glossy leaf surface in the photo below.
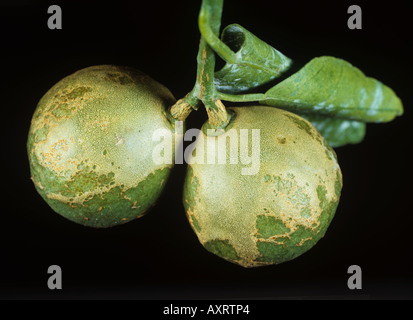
(338, 132)
(255, 62)
(333, 87)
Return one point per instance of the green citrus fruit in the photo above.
(277, 211)
(90, 145)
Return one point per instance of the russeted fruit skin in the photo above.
(280, 212)
(90, 145)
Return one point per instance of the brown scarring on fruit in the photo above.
(280, 212)
(90, 145)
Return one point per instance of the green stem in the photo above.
(211, 13)
(251, 97)
(212, 39)
(204, 88)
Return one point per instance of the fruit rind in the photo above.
(90, 145)
(277, 214)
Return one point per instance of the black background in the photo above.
(159, 256)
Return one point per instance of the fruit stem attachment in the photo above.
(204, 89)
(183, 107)
(216, 111)
(211, 12)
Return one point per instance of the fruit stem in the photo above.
(211, 37)
(249, 97)
(211, 12)
(204, 89)
(183, 107)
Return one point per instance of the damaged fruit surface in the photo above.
(276, 214)
(90, 145)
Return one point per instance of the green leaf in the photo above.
(338, 132)
(253, 64)
(333, 87)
